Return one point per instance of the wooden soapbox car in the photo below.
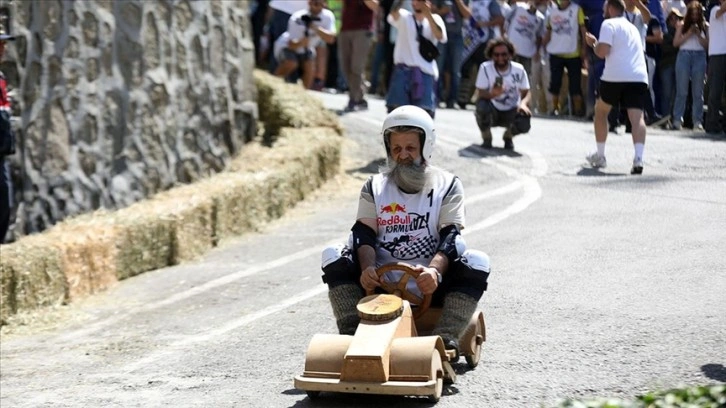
(389, 353)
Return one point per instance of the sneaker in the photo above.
(554, 112)
(317, 85)
(676, 126)
(697, 127)
(508, 144)
(597, 161)
(361, 105)
(637, 166)
(350, 107)
(613, 129)
(487, 144)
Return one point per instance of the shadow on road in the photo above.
(331, 399)
(588, 171)
(715, 372)
(476, 151)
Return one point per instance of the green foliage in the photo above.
(710, 396)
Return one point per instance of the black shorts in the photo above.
(628, 95)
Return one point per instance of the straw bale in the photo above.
(88, 257)
(31, 274)
(287, 105)
(190, 211)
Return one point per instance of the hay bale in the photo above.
(143, 241)
(237, 202)
(287, 105)
(31, 274)
(88, 257)
(190, 212)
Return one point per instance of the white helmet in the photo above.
(409, 115)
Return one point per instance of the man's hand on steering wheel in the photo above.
(428, 280)
(369, 279)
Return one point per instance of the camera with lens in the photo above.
(308, 19)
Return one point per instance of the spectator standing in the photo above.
(593, 10)
(564, 39)
(506, 8)
(449, 61)
(7, 145)
(525, 28)
(679, 5)
(354, 44)
(624, 81)
(692, 40)
(716, 66)
(539, 81)
(306, 30)
(667, 66)
(653, 41)
(478, 28)
(503, 92)
(414, 78)
(377, 64)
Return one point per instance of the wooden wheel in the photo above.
(399, 288)
(472, 360)
(437, 372)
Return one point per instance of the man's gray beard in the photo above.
(410, 178)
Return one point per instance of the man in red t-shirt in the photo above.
(354, 43)
(7, 145)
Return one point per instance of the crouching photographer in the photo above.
(306, 30)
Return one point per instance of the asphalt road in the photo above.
(603, 285)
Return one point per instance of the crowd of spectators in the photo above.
(347, 46)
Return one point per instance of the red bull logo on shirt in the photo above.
(393, 208)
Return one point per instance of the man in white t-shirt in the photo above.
(503, 94)
(624, 81)
(525, 29)
(306, 29)
(716, 67)
(410, 212)
(413, 80)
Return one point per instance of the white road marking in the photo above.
(226, 328)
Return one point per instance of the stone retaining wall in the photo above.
(119, 100)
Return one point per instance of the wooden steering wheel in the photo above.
(400, 288)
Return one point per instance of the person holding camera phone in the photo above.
(306, 30)
(503, 92)
(414, 76)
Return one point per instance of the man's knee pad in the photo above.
(473, 270)
(338, 266)
(483, 114)
(522, 124)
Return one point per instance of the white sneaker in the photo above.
(597, 161)
(637, 166)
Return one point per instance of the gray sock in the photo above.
(455, 315)
(343, 299)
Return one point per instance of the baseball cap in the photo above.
(675, 12)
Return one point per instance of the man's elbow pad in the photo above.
(363, 235)
(452, 243)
